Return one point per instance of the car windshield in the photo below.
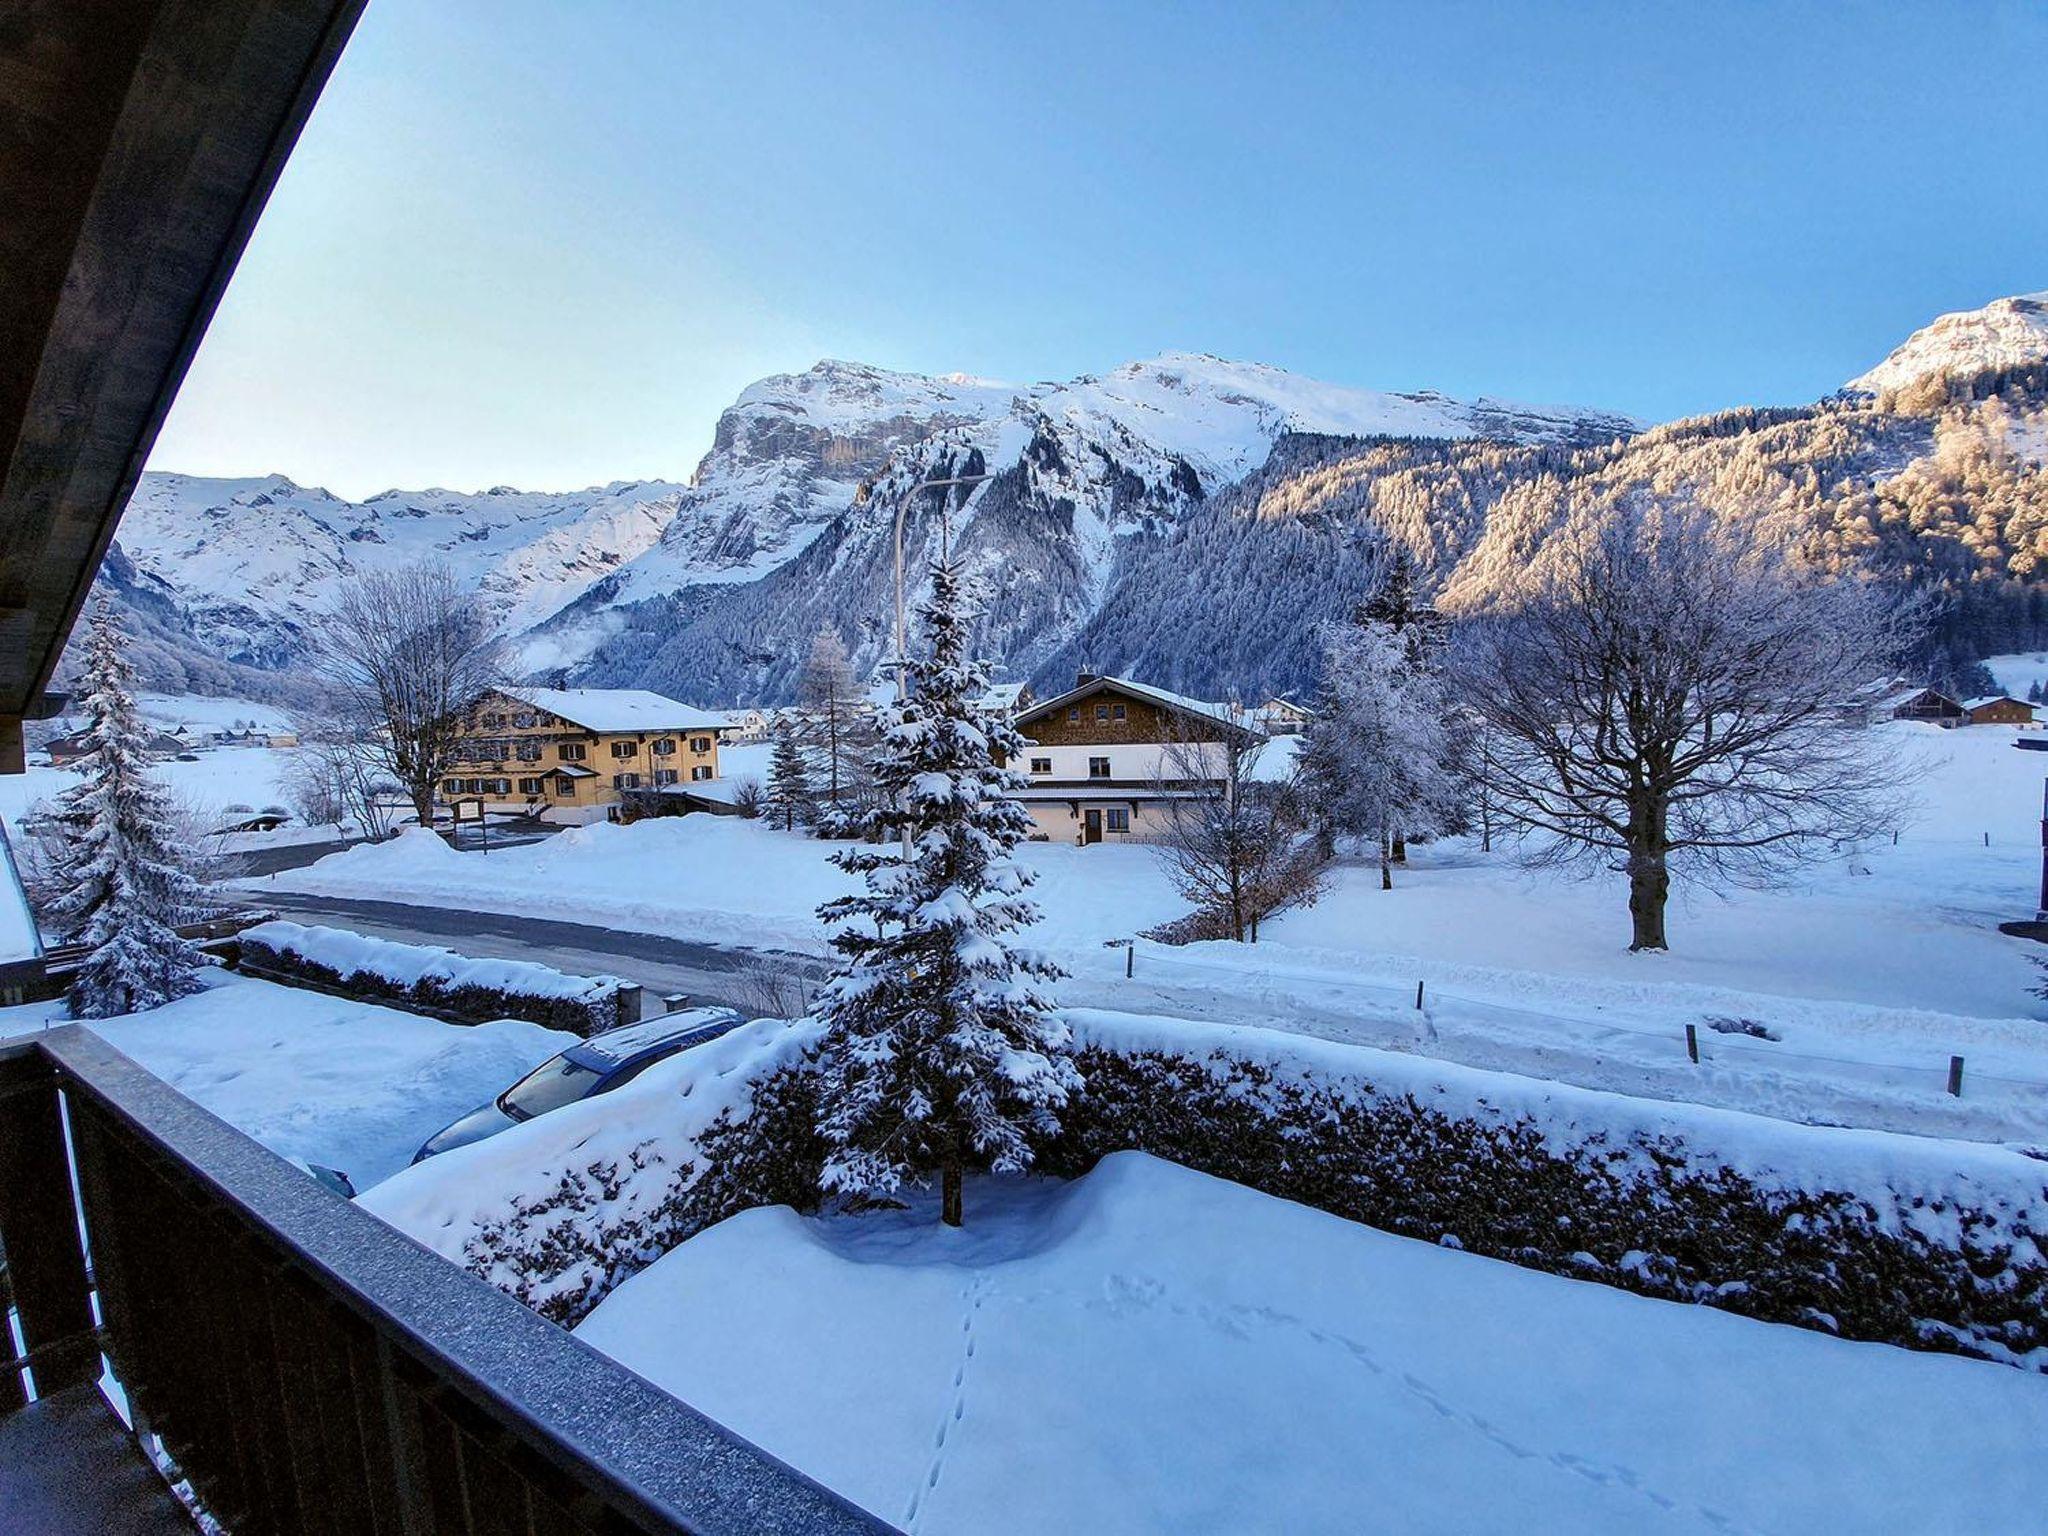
(549, 1086)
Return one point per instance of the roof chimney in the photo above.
(1085, 678)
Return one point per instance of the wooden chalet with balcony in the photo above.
(1105, 757)
(573, 754)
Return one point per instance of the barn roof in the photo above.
(1175, 703)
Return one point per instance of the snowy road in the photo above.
(705, 973)
(1602, 1041)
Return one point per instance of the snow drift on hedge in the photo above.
(597, 1186)
(434, 977)
(1915, 1241)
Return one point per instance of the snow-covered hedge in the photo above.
(561, 1209)
(1914, 1241)
(431, 979)
(1927, 1243)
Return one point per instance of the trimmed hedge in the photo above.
(431, 980)
(1867, 1236)
(1635, 1211)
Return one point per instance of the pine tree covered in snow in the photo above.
(121, 882)
(939, 1051)
(788, 800)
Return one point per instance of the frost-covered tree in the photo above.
(1374, 760)
(837, 725)
(1668, 693)
(406, 654)
(788, 802)
(121, 874)
(939, 1051)
(1231, 842)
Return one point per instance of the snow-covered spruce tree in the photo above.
(788, 801)
(121, 881)
(939, 1052)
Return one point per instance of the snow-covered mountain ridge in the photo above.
(2006, 333)
(249, 561)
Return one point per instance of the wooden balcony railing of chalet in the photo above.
(300, 1366)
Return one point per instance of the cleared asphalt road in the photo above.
(705, 973)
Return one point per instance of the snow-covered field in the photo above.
(346, 1085)
(1872, 972)
(1151, 1349)
(222, 777)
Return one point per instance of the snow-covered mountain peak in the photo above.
(2006, 333)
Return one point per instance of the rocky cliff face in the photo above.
(714, 589)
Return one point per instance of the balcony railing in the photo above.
(300, 1366)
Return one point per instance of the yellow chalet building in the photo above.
(569, 754)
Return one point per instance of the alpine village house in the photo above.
(1105, 758)
(572, 754)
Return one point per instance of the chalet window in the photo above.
(500, 786)
(701, 771)
(625, 781)
(565, 789)
(529, 752)
(1117, 711)
(523, 719)
(1117, 820)
(665, 747)
(624, 748)
(1041, 765)
(452, 787)
(1074, 714)
(571, 751)
(529, 786)
(700, 743)
(1098, 767)
(664, 776)
(1102, 712)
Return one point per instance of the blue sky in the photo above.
(544, 244)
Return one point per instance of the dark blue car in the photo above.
(597, 1065)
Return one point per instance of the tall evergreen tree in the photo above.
(939, 1050)
(789, 780)
(121, 883)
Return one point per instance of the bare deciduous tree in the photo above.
(1231, 844)
(335, 778)
(406, 654)
(1669, 694)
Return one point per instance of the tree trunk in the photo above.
(1386, 866)
(949, 1184)
(1400, 852)
(1649, 879)
(423, 805)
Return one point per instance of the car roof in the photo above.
(629, 1042)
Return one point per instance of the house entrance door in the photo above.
(1091, 827)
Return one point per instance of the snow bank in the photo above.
(437, 980)
(316, 1078)
(1932, 1244)
(1152, 1350)
(558, 1210)
(1873, 1235)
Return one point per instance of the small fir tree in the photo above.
(121, 883)
(789, 782)
(939, 1050)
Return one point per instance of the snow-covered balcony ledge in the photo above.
(303, 1366)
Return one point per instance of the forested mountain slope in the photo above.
(1940, 484)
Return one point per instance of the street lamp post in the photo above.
(902, 631)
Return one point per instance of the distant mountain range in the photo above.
(1186, 516)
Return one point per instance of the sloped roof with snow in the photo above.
(618, 709)
(1995, 698)
(1179, 703)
